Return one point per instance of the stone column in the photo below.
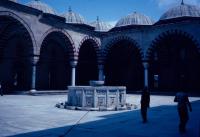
(33, 80)
(101, 73)
(73, 76)
(146, 65)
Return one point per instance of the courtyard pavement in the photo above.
(37, 116)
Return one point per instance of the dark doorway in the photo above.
(175, 61)
(87, 68)
(53, 68)
(124, 67)
(16, 52)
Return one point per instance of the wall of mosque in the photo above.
(144, 37)
(40, 25)
(39, 30)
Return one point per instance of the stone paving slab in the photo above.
(37, 116)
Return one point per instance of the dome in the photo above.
(41, 6)
(134, 19)
(183, 10)
(14, 0)
(72, 17)
(100, 25)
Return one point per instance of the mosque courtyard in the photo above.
(42, 49)
(36, 116)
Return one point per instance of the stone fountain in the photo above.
(96, 97)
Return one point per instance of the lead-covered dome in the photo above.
(100, 25)
(183, 10)
(72, 17)
(41, 6)
(14, 0)
(135, 19)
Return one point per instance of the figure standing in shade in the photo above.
(183, 104)
(145, 100)
(1, 90)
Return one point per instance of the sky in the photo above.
(112, 10)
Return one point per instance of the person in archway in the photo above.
(1, 90)
(145, 100)
(182, 107)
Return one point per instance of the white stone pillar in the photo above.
(33, 79)
(73, 76)
(101, 73)
(146, 65)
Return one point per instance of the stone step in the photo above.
(47, 92)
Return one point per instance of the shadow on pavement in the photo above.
(163, 122)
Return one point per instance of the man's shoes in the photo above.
(144, 121)
(182, 130)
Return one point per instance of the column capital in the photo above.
(35, 60)
(101, 66)
(73, 63)
(145, 64)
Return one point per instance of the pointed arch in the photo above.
(174, 61)
(88, 59)
(72, 49)
(17, 48)
(115, 40)
(25, 24)
(123, 63)
(167, 33)
(96, 44)
(53, 67)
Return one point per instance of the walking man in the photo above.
(1, 90)
(145, 100)
(183, 104)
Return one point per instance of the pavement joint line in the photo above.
(75, 125)
(10, 125)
